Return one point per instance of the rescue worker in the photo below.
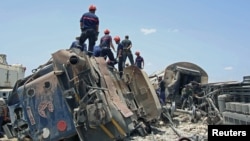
(89, 24)
(162, 87)
(97, 51)
(127, 45)
(139, 61)
(119, 55)
(183, 96)
(197, 92)
(105, 44)
(76, 44)
(187, 96)
(3, 115)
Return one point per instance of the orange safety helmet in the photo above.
(137, 53)
(92, 8)
(106, 31)
(117, 38)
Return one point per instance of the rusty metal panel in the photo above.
(145, 95)
(112, 90)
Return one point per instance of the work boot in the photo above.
(121, 73)
(90, 54)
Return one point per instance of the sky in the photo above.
(213, 34)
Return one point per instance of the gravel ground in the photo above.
(194, 131)
(163, 131)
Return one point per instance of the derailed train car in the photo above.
(229, 101)
(177, 75)
(74, 97)
(220, 102)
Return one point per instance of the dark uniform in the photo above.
(120, 58)
(161, 90)
(76, 44)
(197, 91)
(89, 26)
(105, 46)
(127, 51)
(186, 94)
(138, 61)
(97, 51)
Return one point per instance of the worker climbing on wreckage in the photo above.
(197, 92)
(119, 55)
(89, 24)
(105, 44)
(76, 44)
(187, 96)
(97, 51)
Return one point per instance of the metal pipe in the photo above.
(107, 131)
(184, 111)
(118, 127)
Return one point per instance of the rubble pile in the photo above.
(183, 128)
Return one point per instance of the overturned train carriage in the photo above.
(179, 74)
(232, 101)
(74, 97)
(221, 102)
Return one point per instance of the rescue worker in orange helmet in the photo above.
(139, 61)
(127, 45)
(119, 55)
(89, 24)
(105, 44)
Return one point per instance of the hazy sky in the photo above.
(214, 34)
